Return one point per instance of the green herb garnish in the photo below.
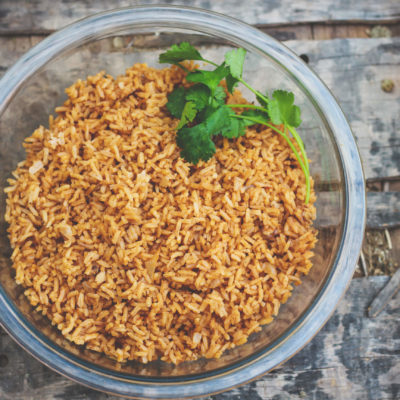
(203, 113)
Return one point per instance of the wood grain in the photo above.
(353, 69)
(384, 296)
(353, 357)
(46, 15)
(383, 210)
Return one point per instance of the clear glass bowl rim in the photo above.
(339, 278)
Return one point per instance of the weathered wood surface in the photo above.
(352, 357)
(384, 296)
(383, 210)
(26, 16)
(353, 69)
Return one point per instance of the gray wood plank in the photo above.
(352, 357)
(384, 296)
(383, 210)
(26, 16)
(353, 69)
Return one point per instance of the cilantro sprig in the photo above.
(203, 113)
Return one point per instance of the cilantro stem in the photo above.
(256, 92)
(241, 80)
(247, 106)
(183, 67)
(297, 138)
(210, 62)
(290, 143)
(301, 145)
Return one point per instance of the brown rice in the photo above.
(133, 252)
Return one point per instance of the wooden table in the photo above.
(353, 357)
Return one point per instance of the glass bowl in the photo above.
(113, 41)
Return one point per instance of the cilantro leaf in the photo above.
(209, 78)
(196, 143)
(231, 83)
(188, 114)
(176, 102)
(220, 122)
(219, 95)
(260, 115)
(237, 127)
(282, 110)
(234, 59)
(179, 52)
(207, 111)
(199, 94)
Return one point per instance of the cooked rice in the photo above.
(131, 251)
